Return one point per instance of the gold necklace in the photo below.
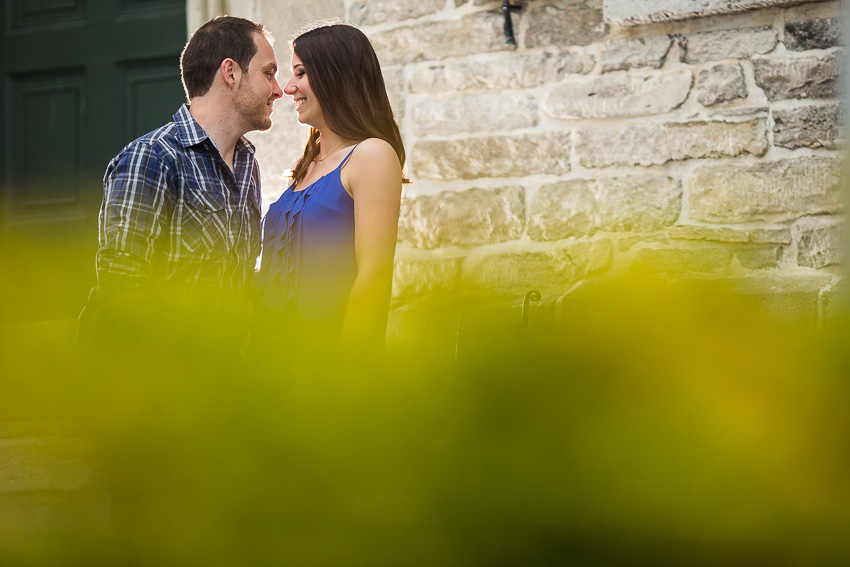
(320, 159)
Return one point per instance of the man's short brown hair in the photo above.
(223, 37)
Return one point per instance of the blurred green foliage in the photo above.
(644, 425)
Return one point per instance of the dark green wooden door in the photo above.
(81, 79)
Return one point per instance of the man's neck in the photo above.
(219, 126)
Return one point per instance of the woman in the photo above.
(329, 240)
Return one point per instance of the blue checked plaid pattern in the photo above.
(173, 212)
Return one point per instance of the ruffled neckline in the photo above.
(277, 280)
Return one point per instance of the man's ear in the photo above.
(229, 71)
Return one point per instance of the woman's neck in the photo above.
(330, 142)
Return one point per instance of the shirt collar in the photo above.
(243, 145)
(190, 133)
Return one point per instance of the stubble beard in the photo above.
(252, 109)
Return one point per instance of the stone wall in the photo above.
(703, 146)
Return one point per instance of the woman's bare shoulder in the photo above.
(374, 164)
(375, 147)
(375, 152)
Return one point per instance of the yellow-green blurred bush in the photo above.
(644, 425)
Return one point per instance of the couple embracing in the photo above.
(180, 226)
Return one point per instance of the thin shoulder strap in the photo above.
(342, 164)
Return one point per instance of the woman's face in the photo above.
(298, 87)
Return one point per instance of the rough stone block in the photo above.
(563, 209)
(702, 47)
(463, 218)
(365, 13)
(43, 464)
(564, 22)
(721, 83)
(817, 10)
(626, 242)
(283, 19)
(712, 234)
(656, 144)
(416, 277)
(483, 72)
(631, 12)
(497, 156)
(567, 62)
(621, 54)
(499, 71)
(622, 95)
(477, 33)
(584, 206)
(809, 126)
(802, 77)
(474, 113)
(394, 81)
(780, 235)
(785, 296)
(814, 34)
(759, 257)
(820, 241)
(537, 270)
(675, 261)
(767, 191)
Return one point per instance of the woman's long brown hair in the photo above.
(345, 77)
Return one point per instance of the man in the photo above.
(179, 227)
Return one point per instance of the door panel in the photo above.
(149, 90)
(47, 142)
(152, 5)
(31, 13)
(80, 80)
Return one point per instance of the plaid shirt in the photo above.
(174, 213)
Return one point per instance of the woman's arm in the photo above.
(373, 177)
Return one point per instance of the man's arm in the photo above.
(132, 217)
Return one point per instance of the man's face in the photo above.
(258, 88)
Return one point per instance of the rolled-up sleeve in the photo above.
(132, 217)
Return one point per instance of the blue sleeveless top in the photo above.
(308, 264)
